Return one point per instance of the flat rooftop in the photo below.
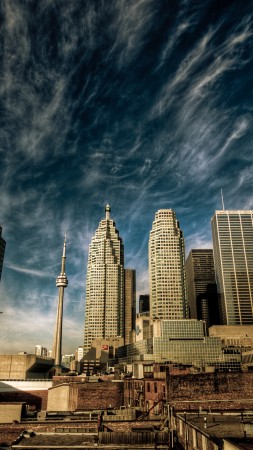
(223, 426)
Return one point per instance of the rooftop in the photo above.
(237, 427)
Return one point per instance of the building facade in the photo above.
(40, 350)
(104, 310)
(2, 250)
(201, 286)
(233, 261)
(182, 342)
(130, 303)
(144, 303)
(167, 277)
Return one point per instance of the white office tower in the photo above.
(167, 268)
(40, 350)
(233, 263)
(104, 311)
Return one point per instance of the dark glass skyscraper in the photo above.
(201, 286)
(144, 303)
(130, 303)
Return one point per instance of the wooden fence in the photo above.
(134, 438)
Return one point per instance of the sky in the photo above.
(142, 104)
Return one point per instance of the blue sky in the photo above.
(143, 104)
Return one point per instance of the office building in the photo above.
(2, 250)
(233, 262)
(104, 309)
(201, 286)
(144, 327)
(144, 303)
(79, 353)
(167, 268)
(181, 342)
(67, 360)
(130, 303)
(40, 350)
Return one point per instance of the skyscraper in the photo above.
(201, 286)
(130, 303)
(61, 283)
(167, 268)
(233, 262)
(2, 250)
(144, 303)
(40, 350)
(104, 310)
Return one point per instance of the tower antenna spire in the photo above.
(107, 211)
(222, 200)
(61, 283)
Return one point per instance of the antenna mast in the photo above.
(222, 201)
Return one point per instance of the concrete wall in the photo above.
(10, 412)
(14, 366)
(24, 385)
(62, 398)
(233, 334)
(22, 367)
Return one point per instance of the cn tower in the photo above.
(61, 283)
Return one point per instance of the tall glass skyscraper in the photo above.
(104, 311)
(233, 262)
(167, 268)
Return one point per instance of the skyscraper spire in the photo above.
(107, 212)
(61, 283)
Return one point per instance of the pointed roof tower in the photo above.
(61, 283)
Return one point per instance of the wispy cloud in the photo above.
(32, 272)
(132, 21)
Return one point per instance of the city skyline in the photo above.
(132, 103)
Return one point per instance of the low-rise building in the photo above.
(183, 342)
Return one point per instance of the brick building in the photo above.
(85, 396)
(149, 391)
(156, 386)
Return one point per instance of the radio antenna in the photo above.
(222, 201)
